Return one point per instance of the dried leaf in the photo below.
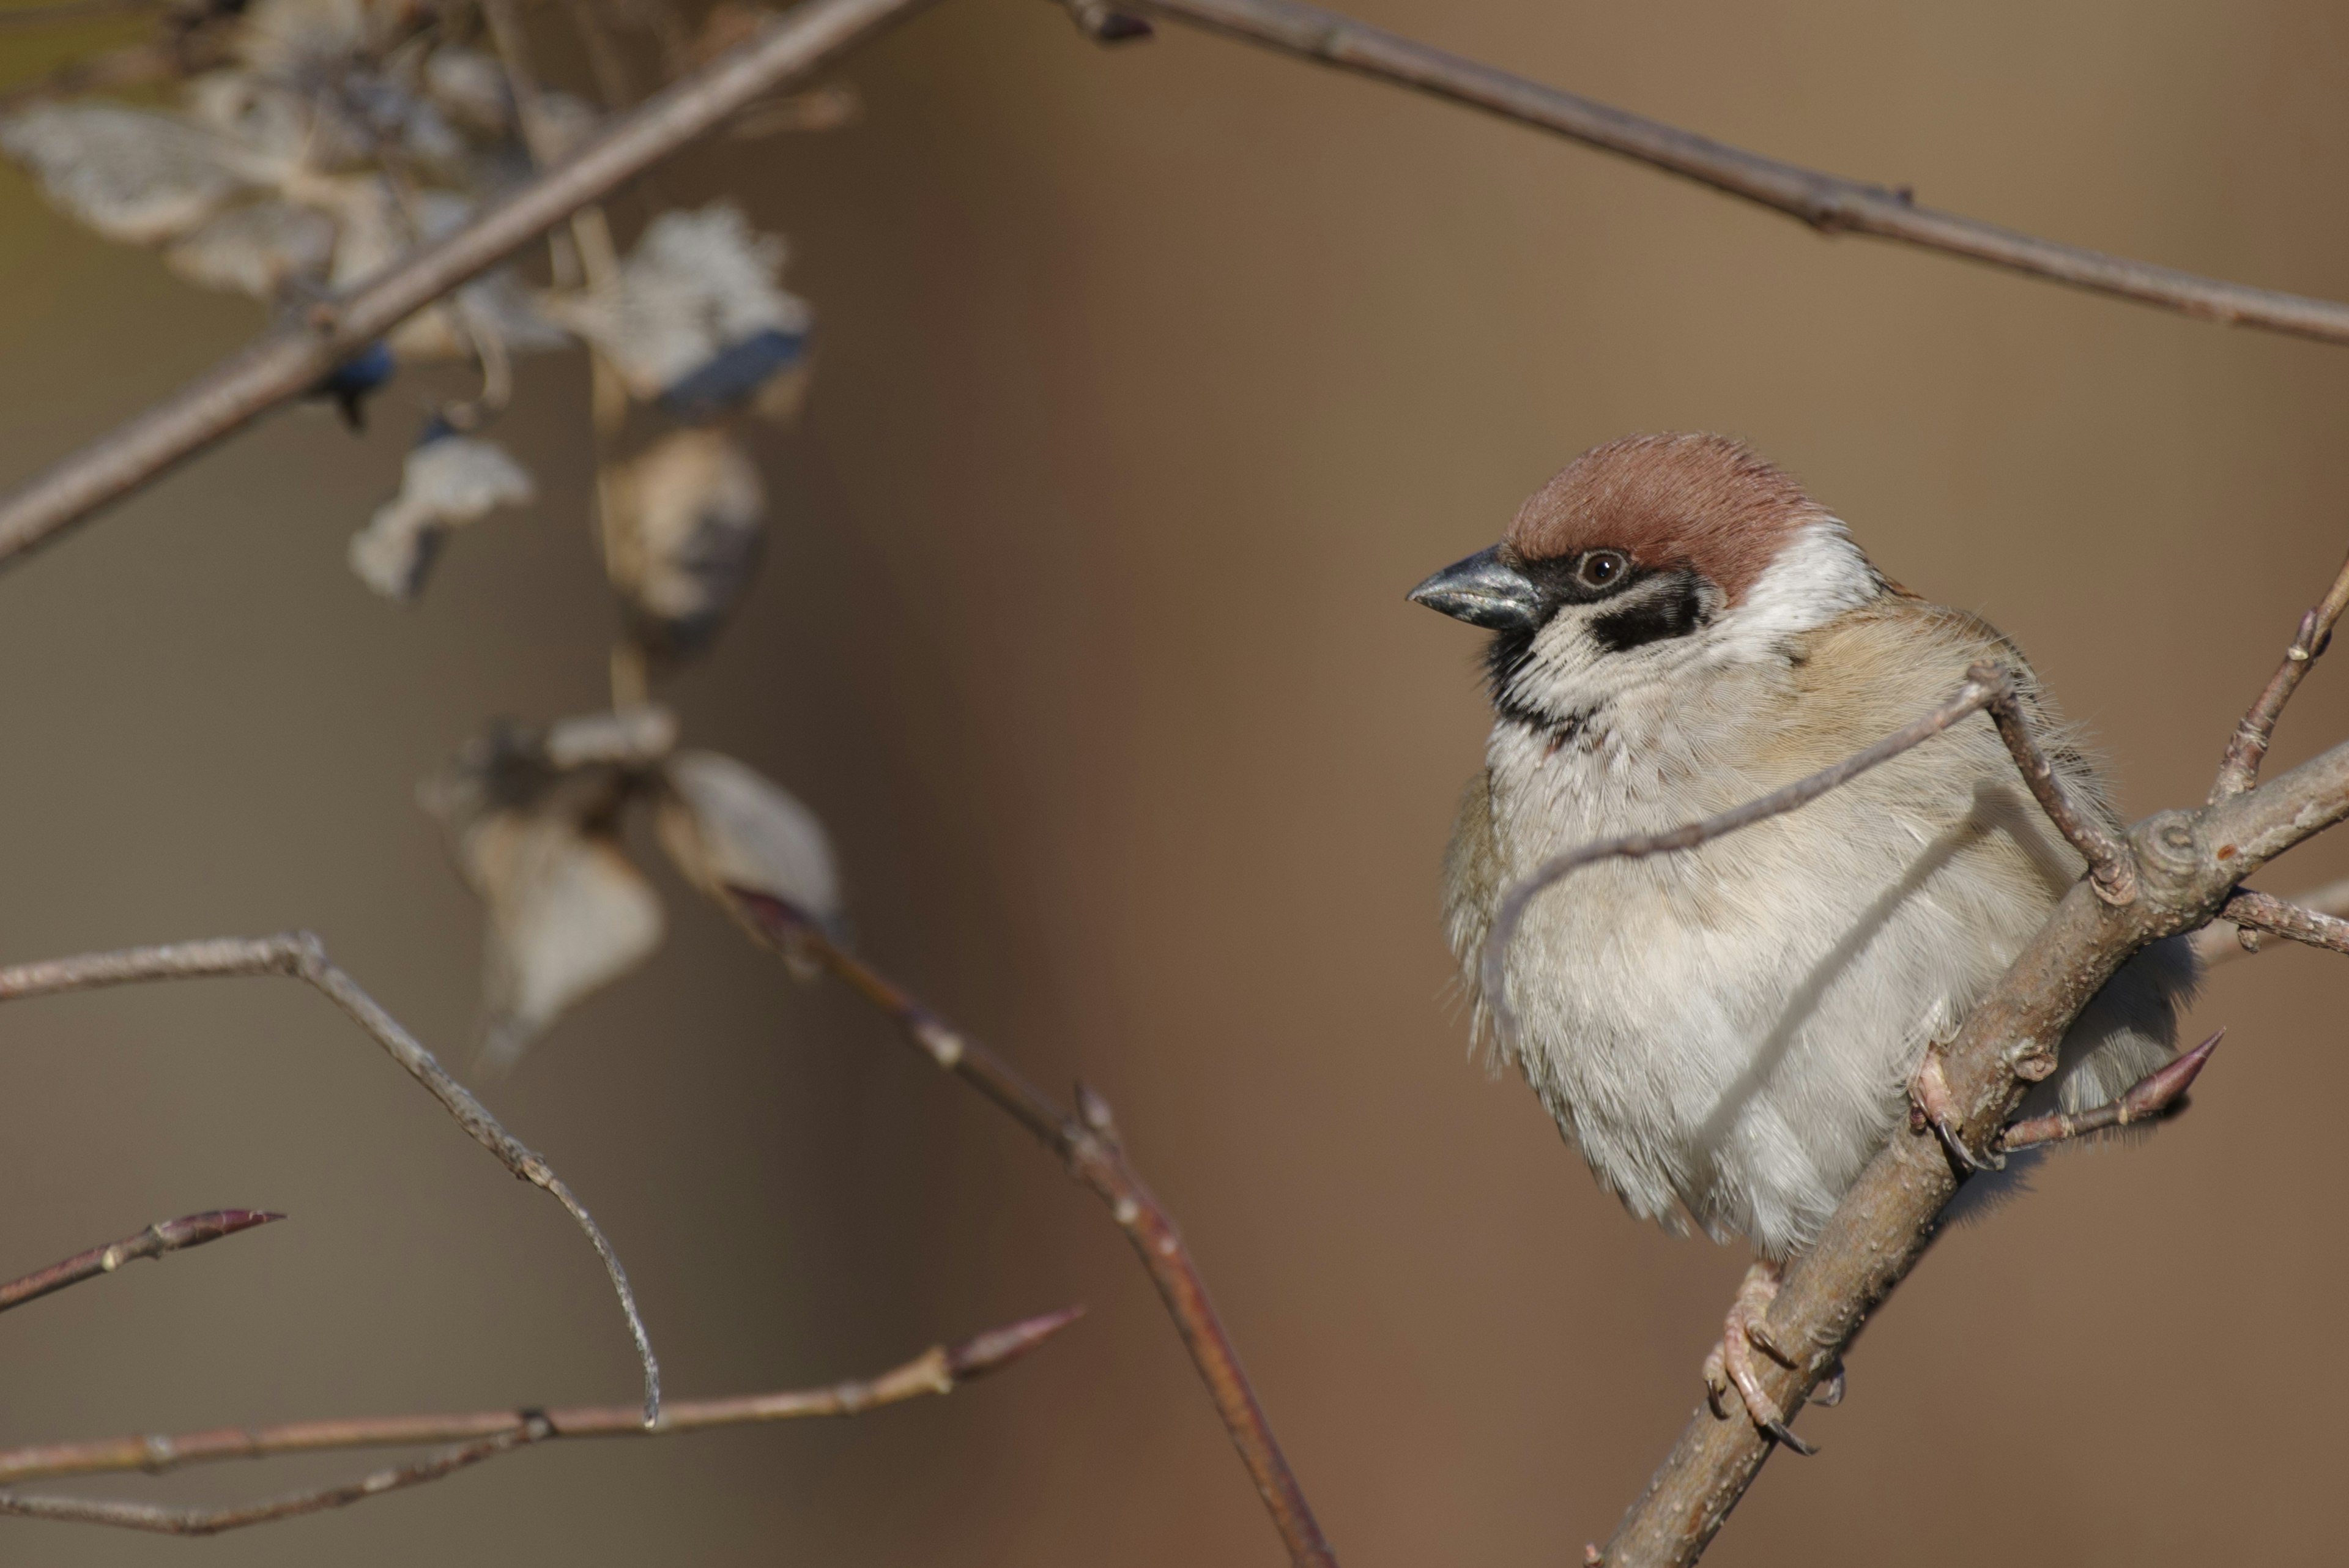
(295, 38)
(697, 319)
(449, 480)
(568, 914)
(129, 174)
(471, 87)
(376, 230)
(532, 821)
(686, 528)
(727, 825)
(255, 250)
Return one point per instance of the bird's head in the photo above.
(1649, 559)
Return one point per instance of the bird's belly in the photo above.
(1725, 1034)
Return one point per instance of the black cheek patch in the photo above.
(1675, 609)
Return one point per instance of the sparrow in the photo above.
(1727, 1034)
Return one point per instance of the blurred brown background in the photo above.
(1150, 382)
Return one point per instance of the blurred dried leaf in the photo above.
(727, 825)
(534, 823)
(255, 250)
(696, 320)
(295, 39)
(376, 230)
(131, 175)
(471, 87)
(449, 480)
(684, 535)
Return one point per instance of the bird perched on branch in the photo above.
(1727, 1034)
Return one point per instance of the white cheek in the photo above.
(1818, 576)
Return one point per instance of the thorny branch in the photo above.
(2189, 865)
(1089, 1143)
(292, 359)
(163, 1236)
(304, 958)
(480, 1435)
(2151, 1097)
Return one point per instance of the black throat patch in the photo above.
(1674, 607)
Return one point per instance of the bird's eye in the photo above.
(1601, 568)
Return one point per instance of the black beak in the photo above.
(1483, 590)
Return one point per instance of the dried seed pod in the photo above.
(255, 250)
(696, 320)
(131, 175)
(726, 826)
(448, 482)
(532, 822)
(684, 533)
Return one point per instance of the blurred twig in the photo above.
(1088, 1141)
(480, 1435)
(1829, 203)
(163, 1236)
(303, 957)
(291, 359)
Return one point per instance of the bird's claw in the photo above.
(1933, 1104)
(1729, 1364)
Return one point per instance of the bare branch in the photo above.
(938, 1370)
(2112, 871)
(2188, 863)
(2240, 767)
(1829, 203)
(1970, 697)
(1095, 1155)
(290, 360)
(163, 1236)
(303, 957)
(2216, 943)
(2149, 1098)
(2251, 912)
(165, 1520)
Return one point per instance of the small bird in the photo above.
(1727, 1034)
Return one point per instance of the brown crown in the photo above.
(1668, 501)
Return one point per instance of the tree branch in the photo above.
(1985, 685)
(292, 359)
(1089, 1144)
(2188, 863)
(163, 1236)
(482, 1434)
(2240, 767)
(303, 957)
(2252, 911)
(1829, 203)
(288, 361)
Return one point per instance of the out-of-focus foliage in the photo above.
(300, 148)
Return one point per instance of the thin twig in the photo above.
(163, 1521)
(2251, 911)
(2220, 943)
(2112, 870)
(2191, 862)
(290, 360)
(163, 1236)
(2149, 1098)
(936, 1370)
(2240, 767)
(1829, 203)
(301, 956)
(1970, 698)
(1089, 1143)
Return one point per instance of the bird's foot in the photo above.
(1730, 1365)
(1933, 1103)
